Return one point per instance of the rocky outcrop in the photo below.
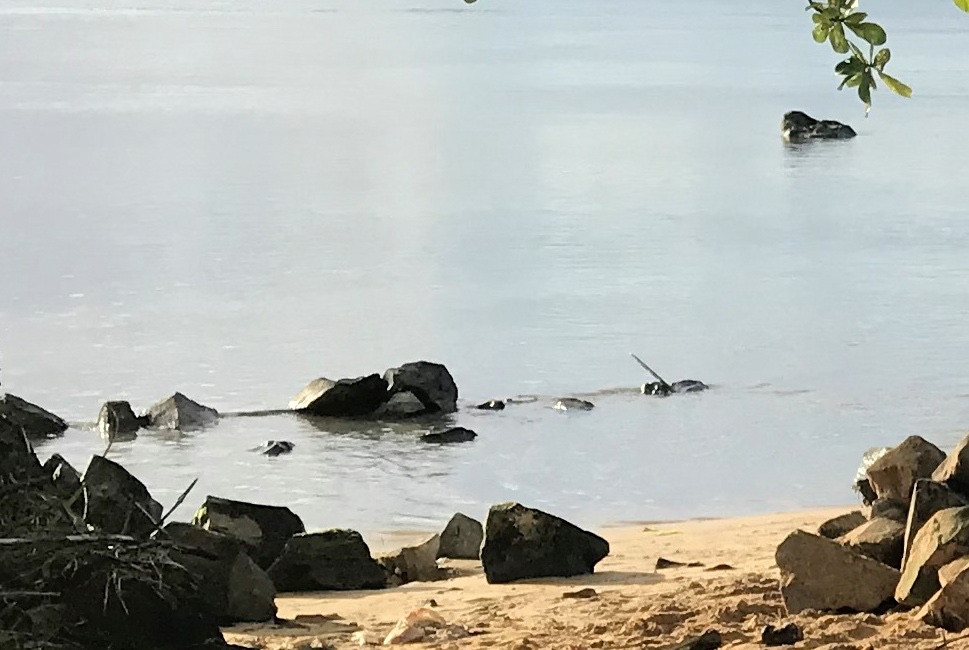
(943, 538)
(263, 529)
(928, 498)
(523, 543)
(181, 413)
(820, 574)
(573, 404)
(842, 524)
(36, 422)
(880, 539)
(116, 501)
(461, 538)
(413, 563)
(454, 434)
(954, 470)
(334, 560)
(341, 398)
(893, 475)
(949, 607)
(116, 419)
(800, 127)
(430, 382)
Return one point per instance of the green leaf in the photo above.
(855, 18)
(853, 81)
(838, 41)
(850, 66)
(818, 19)
(864, 92)
(871, 32)
(895, 85)
(963, 4)
(820, 33)
(857, 51)
(817, 6)
(883, 57)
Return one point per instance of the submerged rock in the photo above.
(573, 404)
(274, 448)
(400, 405)
(801, 127)
(461, 538)
(454, 434)
(682, 386)
(430, 382)
(180, 413)
(492, 405)
(334, 560)
(342, 398)
(116, 419)
(264, 529)
(523, 543)
(116, 501)
(35, 421)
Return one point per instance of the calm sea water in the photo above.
(232, 198)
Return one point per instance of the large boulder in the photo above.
(820, 574)
(430, 382)
(799, 127)
(341, 398)
(18, 462)
(842, 524)
(180, 413)
(893, 475)
(943, 538)
(928, 498)
(413, 563)
(523, 542)
(954, 470)
(116, 419)
(233, 586)
(949, 607)
(35, 421)
(879, 539)
(263, 529)
(116, 501)
(334, 560)
(461, 538)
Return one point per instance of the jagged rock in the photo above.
(785, 635)
(66, 479)
(264, 529)
(493, 405)
(430, 382)
(454, 434)
(181, 413)
(117, 419)
(894, 509)
(461, 538)
(413, 563)
(949, 607)
(17, 457)
(928, 498)
(231, 584)
(334, 560)
(116, 501)
(942, 539)
(523, 542)
(415, 626)
(842, 524)
(879, 539)
(400, 405)
(344, 398)
(709, 640)
(949, 572)
(954, 470)
(893, 475)
(274, 448)
(573, 404)
(817, 573)
(35, 421)
(801, 127)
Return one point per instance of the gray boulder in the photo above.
(842, 524)
(820, 574)
(928, 498)
(342, 398)
(880, 539)
(799, 127)
(942, 539)
(893, 475)
(35, 421)
(573, 404)
(116, 501)
(454, 434)
(117, 419)
(954, 470)
(263, 529)
(400, 406)
(523, 543)
(461, 538)
(66, 479)
(334, 560)
(430, 382)
(413, 563)
(181, 413)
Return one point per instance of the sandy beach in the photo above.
(634, 605)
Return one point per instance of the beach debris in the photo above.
(430, 382)
(401, 406)
(880, 539)
(332, 560)
(413, 563)
(449, 436)
(573, 404)
(366, 637)
(954, 470)
(709, 640)
(341, 398)
(264, 529)
(523, 542)
(662, 388)
(943, 538)
(461, 538)
(949, 607)
(720, 567)
(180, 413)
(788, 634)
(893, 475)
(415, 626)
(492, 405)
(588, 592)
(798, 127)
(117, 421)
(273, 448)
(894, 509)
(837, 526)
(663, 563)
(818, 573)
(36, 422)
(117, 502)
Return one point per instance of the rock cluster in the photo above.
(908, 547)
(800, 127)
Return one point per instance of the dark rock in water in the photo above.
(400, 406)
(682, 386)
(117, 501)
(944, 537)
(880, 539)
(180, 413)
(954, 470)
(893, 475)
(264, 529)
(275, 447)
(230, 583)
(928, 498)
(454, 434)
(709, 640)
(786, 635)
(801, 127)
(573, 404)
(35, 421)
(461, 538)
(334, 560)
(840, 525)
(523, 543)
(413, 563)
(493, 405)
(341, 398)
(66, 479)
(117, 419)
(430, 382)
